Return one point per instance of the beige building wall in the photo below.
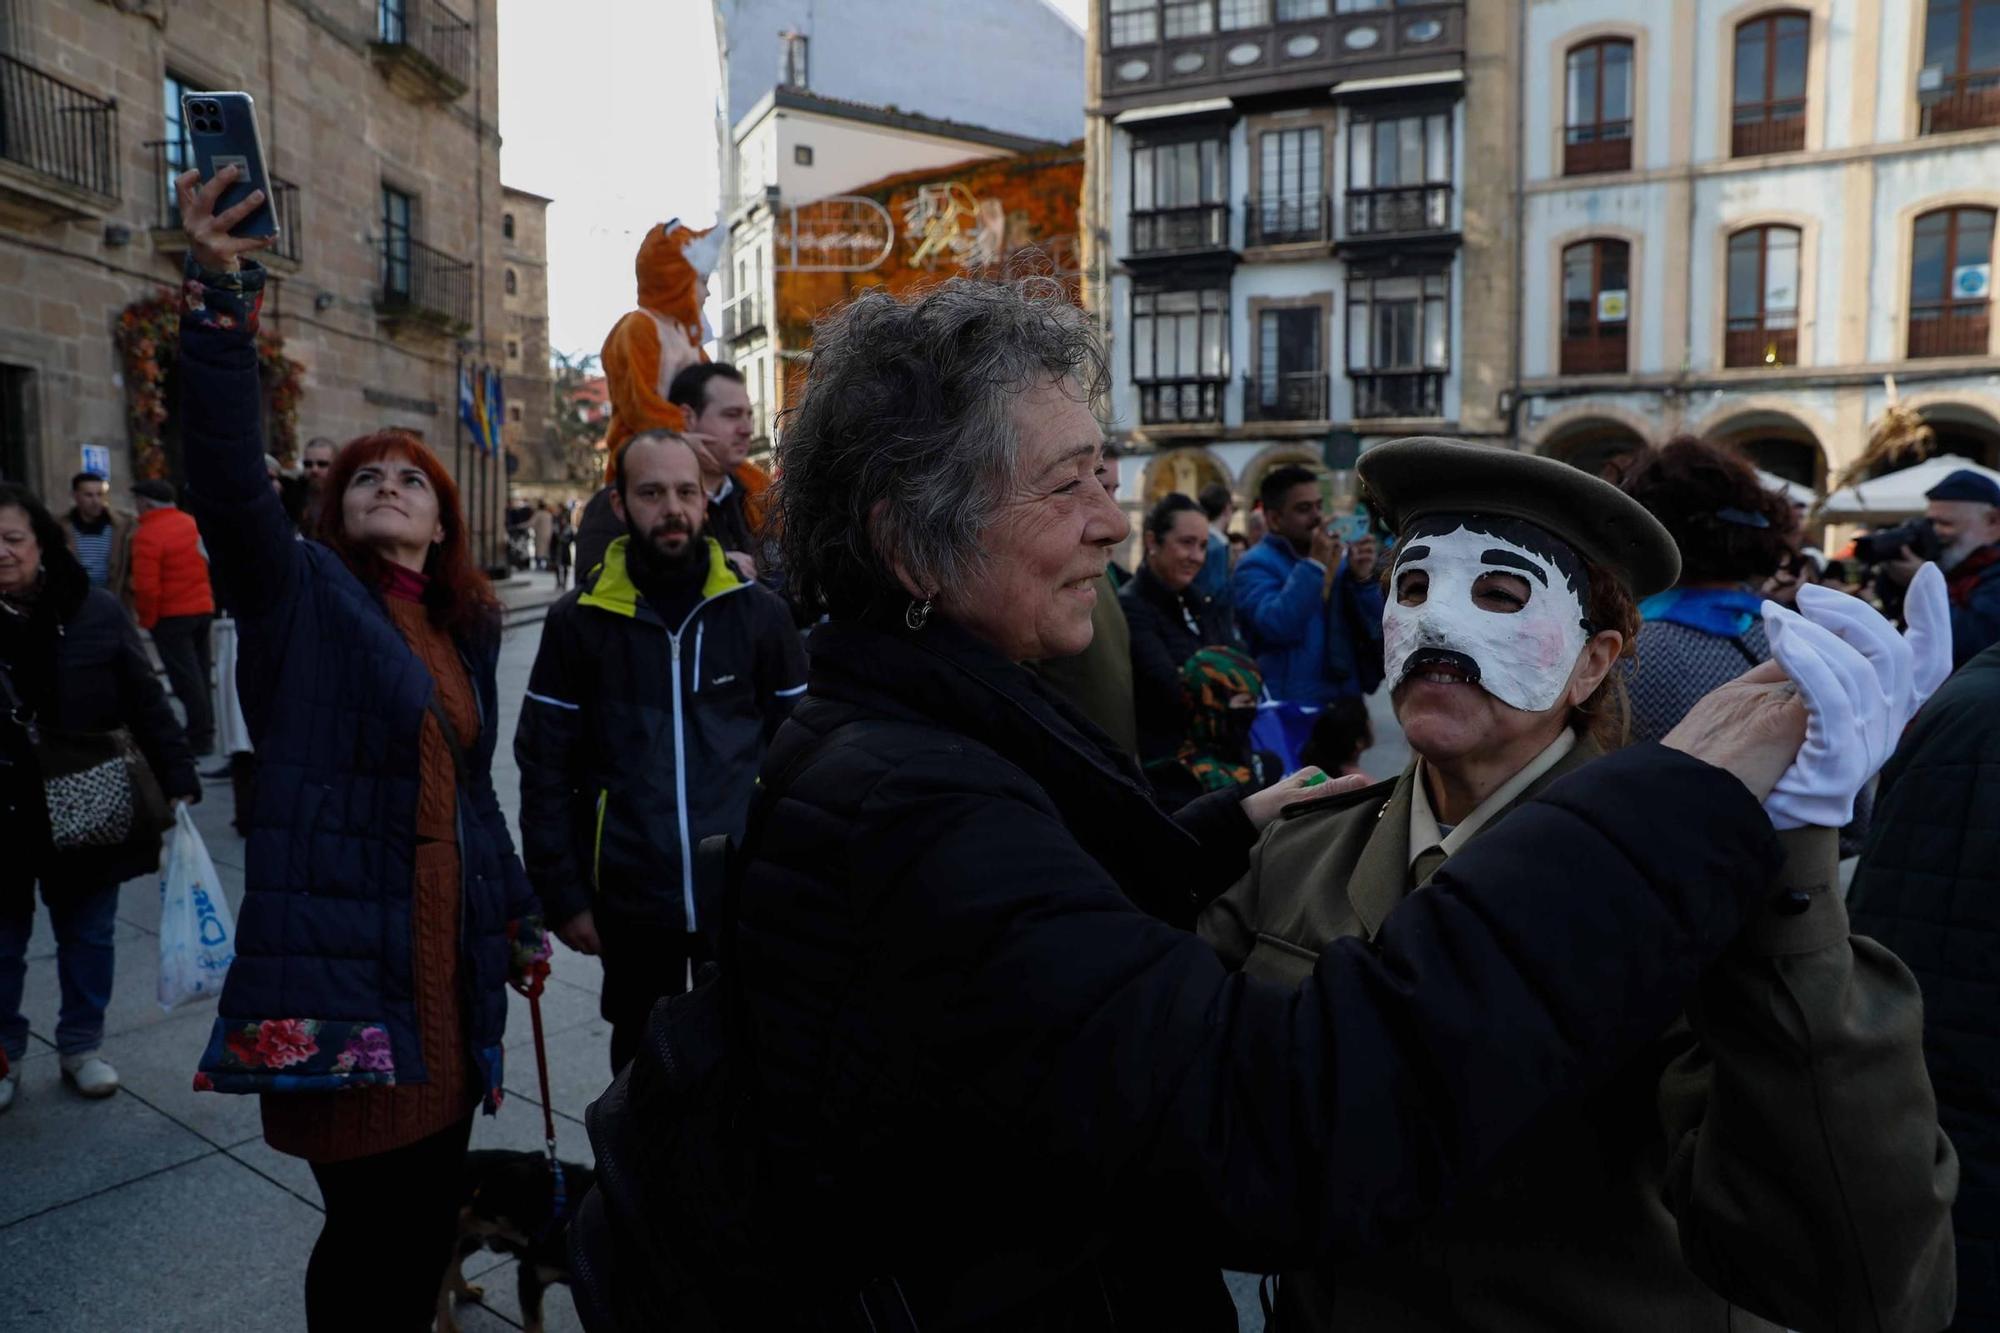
(340, 117)
(1490, 250)
(524, 257)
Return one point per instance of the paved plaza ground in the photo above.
(162, 1209)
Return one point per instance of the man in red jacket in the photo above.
(171, 598)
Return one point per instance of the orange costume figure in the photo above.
(651, 345)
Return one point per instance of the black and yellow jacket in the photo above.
(639, 738)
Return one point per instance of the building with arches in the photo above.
(1737, 217)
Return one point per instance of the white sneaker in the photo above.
(8, 1084)
(90, 1074)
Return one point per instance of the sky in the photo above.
(608, 108)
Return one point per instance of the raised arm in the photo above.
(250, 541)
(1300, 1125)
(1277, 609)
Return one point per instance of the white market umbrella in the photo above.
(1898, 495)
(1791, 490)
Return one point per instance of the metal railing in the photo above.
(1398, 393)
(1288, 219)
(1784, 131)
(743, 314)
(1591, 149)
(1756, 344)
(418, 280)
(1167, 230)
(1287, 396)
(1955, 330)
(168, 161)
(58, 130)
(1178, 402)
(1601, 355)
(1397, 209)
(431, 31)
(1969, 102)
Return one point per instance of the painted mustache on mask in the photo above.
(1428, 660)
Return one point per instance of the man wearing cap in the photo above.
(172, 600)
(1964, 510)
(1775, 1155)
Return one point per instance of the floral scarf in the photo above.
(1217, 751)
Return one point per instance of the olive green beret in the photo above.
(1407, 479)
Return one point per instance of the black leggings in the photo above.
(391, 1221)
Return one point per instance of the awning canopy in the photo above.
(1899, 495)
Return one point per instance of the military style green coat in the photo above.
(1774, 1156)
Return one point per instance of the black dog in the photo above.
(508, 1204)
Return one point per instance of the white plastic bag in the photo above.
(197, 933)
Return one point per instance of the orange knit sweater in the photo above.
(336, 1126)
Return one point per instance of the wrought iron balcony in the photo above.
(1288, 219)
(1181, 402)
(743, 315)
(56, 133)
(1967, 102)
(1591, 149)
(1181, 230)
(1604, 354)
(1954, 330)
(424, 48)
(1398, 393)
(1751, 343)
(1783, 131)
(1288, 396)
(1399, 210)
(168, 160)
(424, 287)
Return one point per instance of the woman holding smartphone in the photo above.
(384, 908)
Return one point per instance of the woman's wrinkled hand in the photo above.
(208, 231)
(1752, 727)
(1308, 784)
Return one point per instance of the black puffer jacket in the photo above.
(1167, 629)
(1928, 887)
(995, 1066)
(77, 662)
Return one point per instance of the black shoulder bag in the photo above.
(99, 790)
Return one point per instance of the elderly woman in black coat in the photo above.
(994, 1082)
(70, 661)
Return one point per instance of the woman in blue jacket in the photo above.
(384, 907)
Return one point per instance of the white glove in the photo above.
(1861, 683)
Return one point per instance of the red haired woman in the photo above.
(384, 908)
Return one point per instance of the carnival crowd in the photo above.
(1034, 945)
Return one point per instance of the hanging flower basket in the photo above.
(148, 337)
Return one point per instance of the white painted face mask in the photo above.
(1522, 657)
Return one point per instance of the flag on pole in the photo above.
(468, 411)
(496, 414)
(482, 436)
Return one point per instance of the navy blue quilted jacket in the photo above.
(335, 701)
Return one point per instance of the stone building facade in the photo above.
(1298, 229)
(379, 120)
(524, 284)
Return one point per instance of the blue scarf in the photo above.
(1727, 613)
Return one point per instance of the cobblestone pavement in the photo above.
(162, 1209)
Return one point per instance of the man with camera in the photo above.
(1963, 518)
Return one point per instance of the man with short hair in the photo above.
(721, 425)
(659, 682)
(1218, 506)
(315, 466)
(1311, 614)
(99, 536)
(172, 600)
(1964, 510)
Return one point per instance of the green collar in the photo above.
(614, 591)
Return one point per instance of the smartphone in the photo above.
(222, 132)
(1350, 528)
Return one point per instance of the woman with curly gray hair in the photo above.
(992, 1081)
